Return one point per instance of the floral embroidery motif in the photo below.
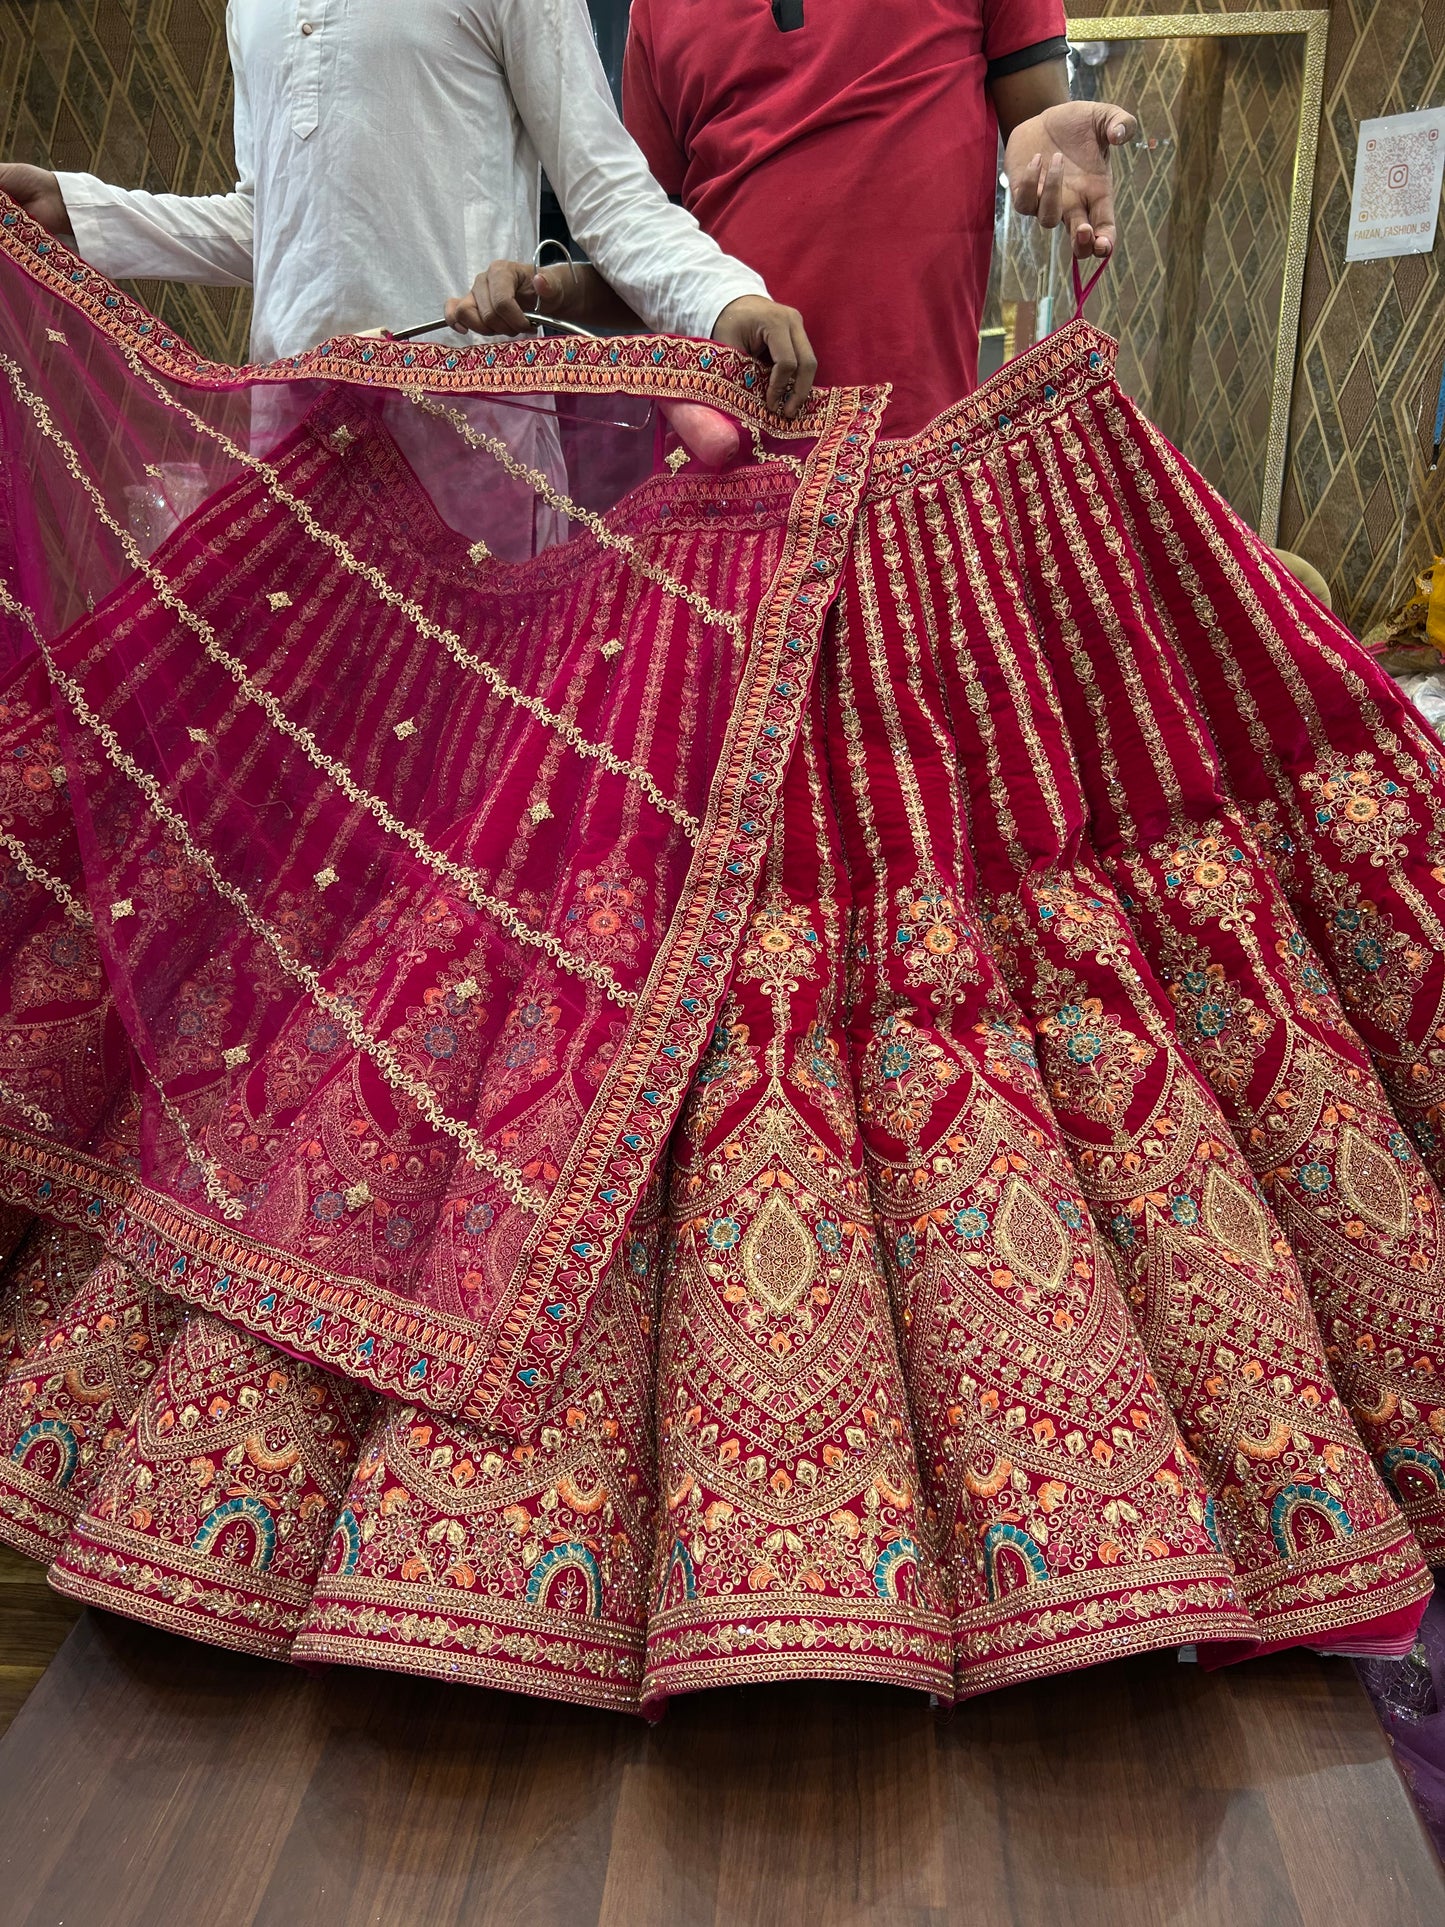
(937, 940)
(607, 917)
(1365, 811)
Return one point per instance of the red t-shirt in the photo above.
(851, 162)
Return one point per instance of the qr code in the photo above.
(1399, 175)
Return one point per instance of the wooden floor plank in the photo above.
(33, 1623)
(148, 1782)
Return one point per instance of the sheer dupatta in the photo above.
(390, 744)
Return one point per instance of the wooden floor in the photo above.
(150, 1783)
(33, 1622)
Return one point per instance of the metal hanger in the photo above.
(537, 320)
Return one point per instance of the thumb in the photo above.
(1116, 126)
(547, 286)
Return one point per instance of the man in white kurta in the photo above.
(388, 150)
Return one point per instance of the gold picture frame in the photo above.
(1312, 26)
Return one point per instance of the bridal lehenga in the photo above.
(617, 1078)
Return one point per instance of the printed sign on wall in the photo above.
(1397, 185)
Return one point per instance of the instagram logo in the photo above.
(1399, 175)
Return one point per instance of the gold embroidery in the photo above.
(1030, 1236)
(594, 524)
(1373, 1183)
(429, 630)
(42, 878)
(377, 1049)
(1236, 1219)
(779, 1258)
(32, 1112)
(212, 1177)
(469, 881)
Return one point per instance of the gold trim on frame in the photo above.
(1312, 25)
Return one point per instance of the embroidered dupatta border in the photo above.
(1046, 379)
(502, 1370)
(661, 367)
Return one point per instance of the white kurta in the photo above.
(388, 150)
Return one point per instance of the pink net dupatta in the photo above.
(390, 744)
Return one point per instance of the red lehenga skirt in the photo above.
(838, 1076)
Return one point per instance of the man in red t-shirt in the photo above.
(847, 150)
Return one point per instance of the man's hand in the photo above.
(510, 294)
(772, 333)
(504, 300)
(1057, 163)
(36, 190)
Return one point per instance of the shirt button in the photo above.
(308, 26)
